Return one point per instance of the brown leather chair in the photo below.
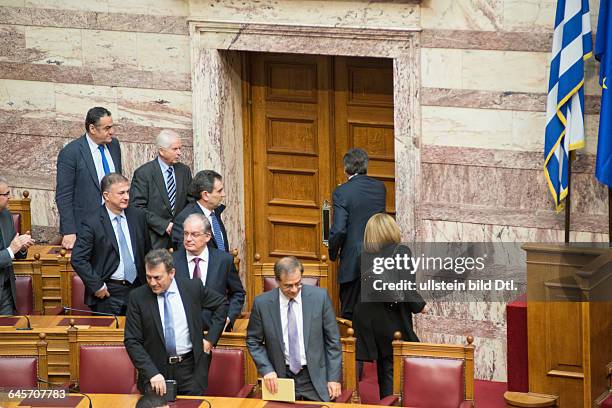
(17, 222)
(20, 210)
(23, 362)
(106, 369)
(220, 384)
(433, 375)
(25, 295)
(77, 295)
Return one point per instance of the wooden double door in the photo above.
(305, 112)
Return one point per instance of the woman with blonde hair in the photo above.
(380, 313)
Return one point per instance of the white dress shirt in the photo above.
(97, 158)
(179, 318)
(207, 213)
(118, 274)
(297, 309)
(164, 169)
(203, 264)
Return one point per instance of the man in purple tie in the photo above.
(292, 333)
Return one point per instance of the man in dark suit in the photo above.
(354, 203)
(81, 164)
(110, 248)
(160, 186)
(292, 333)
(12, 246)
(207, 188)
(163, 328)
(215, 268)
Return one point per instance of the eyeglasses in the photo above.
(194, 234)
(8, 193)
(291, 286)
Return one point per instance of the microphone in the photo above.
(28, 327)
(69, 390)
(93, 313)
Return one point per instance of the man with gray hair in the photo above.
(159, 188)
(12, 246)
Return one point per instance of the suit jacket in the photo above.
(321, 337)
(194, 208)
(95, 256)
(77, 189)
(7, 276)
(354, 203)
(221, 276)
(144, 334)
(148, 192)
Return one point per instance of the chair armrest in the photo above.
(245, 391)
(467, 404)
(345, 396)
(389, 401)
(344, 322)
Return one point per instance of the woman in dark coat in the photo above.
(379, 314)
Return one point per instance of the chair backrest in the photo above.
(20, 209)
(433, 375)
(224, 361)
(23, 362)
(433, 382)
(25, 295)
(106, 369)
(270, 283)
(77, 294)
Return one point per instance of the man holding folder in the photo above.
(292, 333)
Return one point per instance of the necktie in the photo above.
(105, 165)
(196, 269)
(129, 269)
(293, 339)
(217, 231)
(171, 187)
(169, 327)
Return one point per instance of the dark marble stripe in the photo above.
(487, 40)
(93, 20)
(122, 77)
(519, 101)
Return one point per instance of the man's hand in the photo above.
(102, 293)
(334, 389)
(158, 383)
(169, 228)
(207, 346)
(68, 241)
(271, 383)
(425, 309)
(21, 242)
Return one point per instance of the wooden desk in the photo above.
(56, 330)
(125, 401)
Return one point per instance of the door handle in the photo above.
(325, 221)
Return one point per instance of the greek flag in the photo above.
(572, 45)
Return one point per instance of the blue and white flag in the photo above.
(603, 53)
(572, 45)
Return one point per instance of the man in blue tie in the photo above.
(163, 328)
(110, 248)
(160, 188)
(292, 333)
(207, 188)
(81, 164)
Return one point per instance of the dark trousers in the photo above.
(182, 373)
(116, 303)
(304, 390)
(349, 296)
(6, 299)
(384, 370)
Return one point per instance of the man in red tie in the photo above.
(215, 268)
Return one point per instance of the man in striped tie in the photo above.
(207, 187)
(160, 187)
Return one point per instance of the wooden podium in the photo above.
(569, 319)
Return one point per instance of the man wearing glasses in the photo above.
(81, 165)
(292, 333)
(214, 267)
(12, 246)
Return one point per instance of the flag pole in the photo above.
(568, 201)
